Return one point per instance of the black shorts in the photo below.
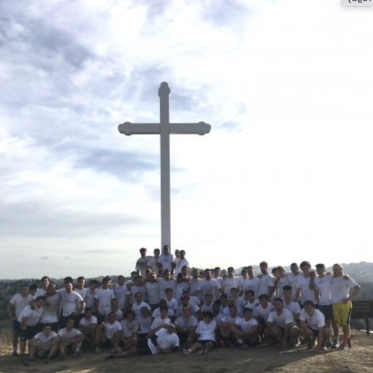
(16, 327)
(143, 348)
(327, 311)
(203, 343)
(28, 333)
(315, 332)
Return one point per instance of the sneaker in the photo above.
(329, 343)
(78, 353)
(311, 344)
(335, 345)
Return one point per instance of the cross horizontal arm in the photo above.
(200, 128)
(128, 128)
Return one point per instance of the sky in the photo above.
(285, 174)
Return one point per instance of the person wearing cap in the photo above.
(165, 340)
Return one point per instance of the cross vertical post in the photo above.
(164, 129)
(164, 99)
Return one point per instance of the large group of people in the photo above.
(165, 305)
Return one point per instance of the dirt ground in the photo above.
(257, 360)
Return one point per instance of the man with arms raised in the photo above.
(343, 290)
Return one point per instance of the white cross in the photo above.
(164, 128)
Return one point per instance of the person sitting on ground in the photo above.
(165, 340)
(245, 330)
(206, 335)
(45, 344)
(159, 321)
(70, 339)
(145, 322)
(312, 326)
(226, 324)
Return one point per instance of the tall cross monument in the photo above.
(164, 128)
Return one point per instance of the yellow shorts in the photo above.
(342, 313)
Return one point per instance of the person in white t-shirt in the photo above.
(281, 280)
(166, 259)
(153, 291)
(205, 332)
(45, 344)
(139, 303)
(164, 341)
(45, 281)
(122, 293)
(312, 325)
(52, 308)
(142, 263)
(153, 261)
(281, 324)
(252, 282)
(28, 320)
(231, 281)
(70, 339)
(88, 326)
(72, 303)
(186, 325)
(109, 333)
(180, 263)
(290, 304)
(14, 309)
(305, 288)
(246, 330)
(130, 330)
(262, 311)
(80, 286)
(343, 290)
(227, 322)
(159, 321)
(267, 281)
(249, 300)
(145, 322)
(102, 300)
(90, 295)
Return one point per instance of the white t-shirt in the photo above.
(153, 291)
(304, 286)
(137, 308)
(69, 302)
(229, 319)
(20, 303)
(82, 292)
(104, 296)
(293, 282)
(145, 324)
(86, 323)
(180, 263)
(324, 285)
(286, 317)
(120, 292)
(110, 329)
(193, 308)
(263, 312)
(69, 336)
(46, 340)
(51, 308)
(315, 322)
(118, 315)
(129, 328)
(33, 315)
(195, 287)
(229, 283)
(164, 284)
(209, 287)
(265, 281)
(39, 293)
(283, 281)
(251, 305)
(293, 307)
(166, 261)
(172, 304)
(157, 313)
(246, 325)
(89, 299)
(182, 322)
(165, 340)
(253, 284)
(142, 265)
(341, 288)
(153, 264)
(158, 321)
(206, 331)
